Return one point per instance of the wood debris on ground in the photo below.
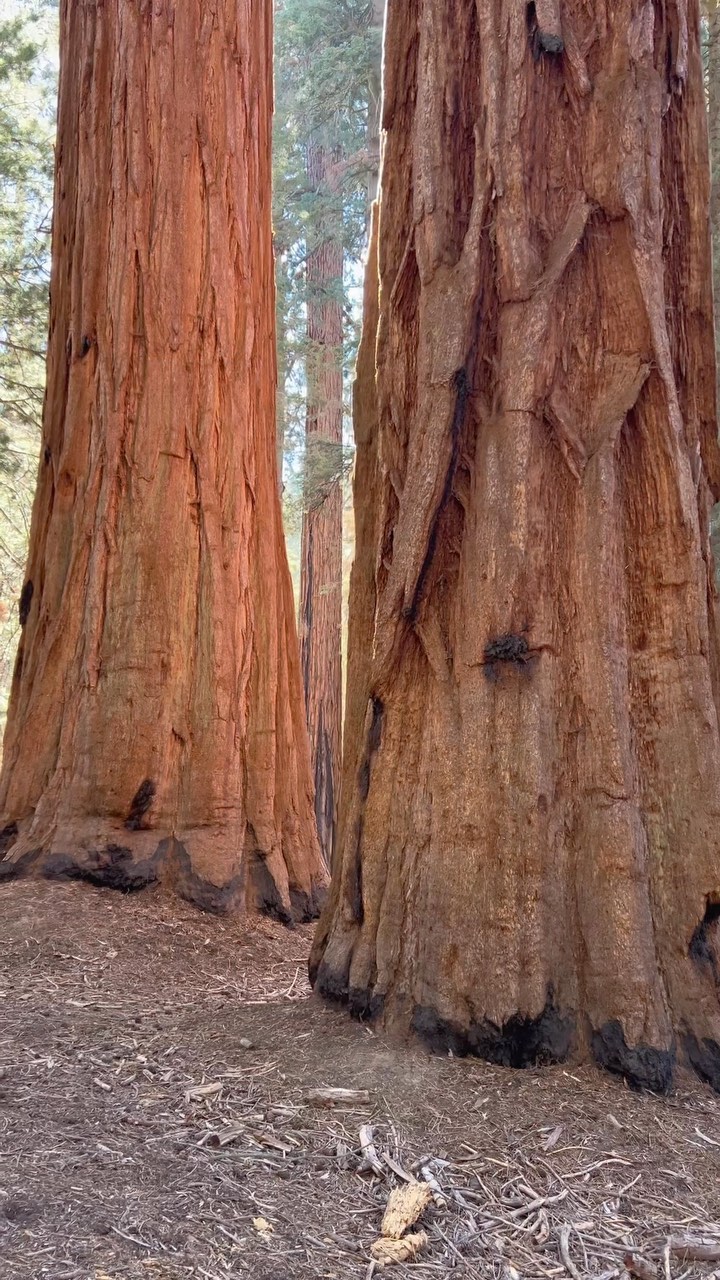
(405, 1205)
(174, 1171)
(386, 1251)
(332, 1097)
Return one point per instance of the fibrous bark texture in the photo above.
(529, 864)
(156, 726)
(711, 10)
(321, 565)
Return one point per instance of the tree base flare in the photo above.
(115, 866)
(550, 1038)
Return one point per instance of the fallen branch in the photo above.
(331, 1097)
(371, 1160)
(694, 1248)
(564, 1246)
(437, 1191)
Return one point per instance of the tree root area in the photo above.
(156, 1069)
(522, 1042)
(116, 867)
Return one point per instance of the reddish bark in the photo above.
(321, 565)
(155, 728)
(529, 864)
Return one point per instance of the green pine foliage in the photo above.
(27, 106)
(326, 55)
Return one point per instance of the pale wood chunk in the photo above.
(405, 1205)
(386, 1252)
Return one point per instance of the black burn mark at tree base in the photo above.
(306, 907)
(362, 1004)
(704, 951)
(26, 596)
(519, 1042)
(114, 867)
(701, 949)
(47, 455)
(268, 900)
(461, 383)
(21, 867)
(704, 1058)
(8, 835)
(267, 894)
(141, 802)
(110, 868)
(643, 1067)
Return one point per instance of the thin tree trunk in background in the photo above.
(321, 565)
(529, 866)
(280, 431)
(156, 725)
(366, 501)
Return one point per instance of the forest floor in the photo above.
(114, 1009)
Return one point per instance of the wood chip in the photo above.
(224, 1136)
(713, 1141)
(553, 1139)
(386, 1252)
(638, 1266)
(331, 1097)
(405, 1205)
(200, 1091)
(269, 1140)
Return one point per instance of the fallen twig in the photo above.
(564, 1248)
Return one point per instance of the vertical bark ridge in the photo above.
(537, 837)
(160, 645)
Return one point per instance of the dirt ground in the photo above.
(113, 1009)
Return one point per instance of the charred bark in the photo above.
(155, 729)
(530, 841)
(321, 564)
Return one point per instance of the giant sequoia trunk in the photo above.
(156, 725)
(712, 17)
(529, 864)
(321, 564)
